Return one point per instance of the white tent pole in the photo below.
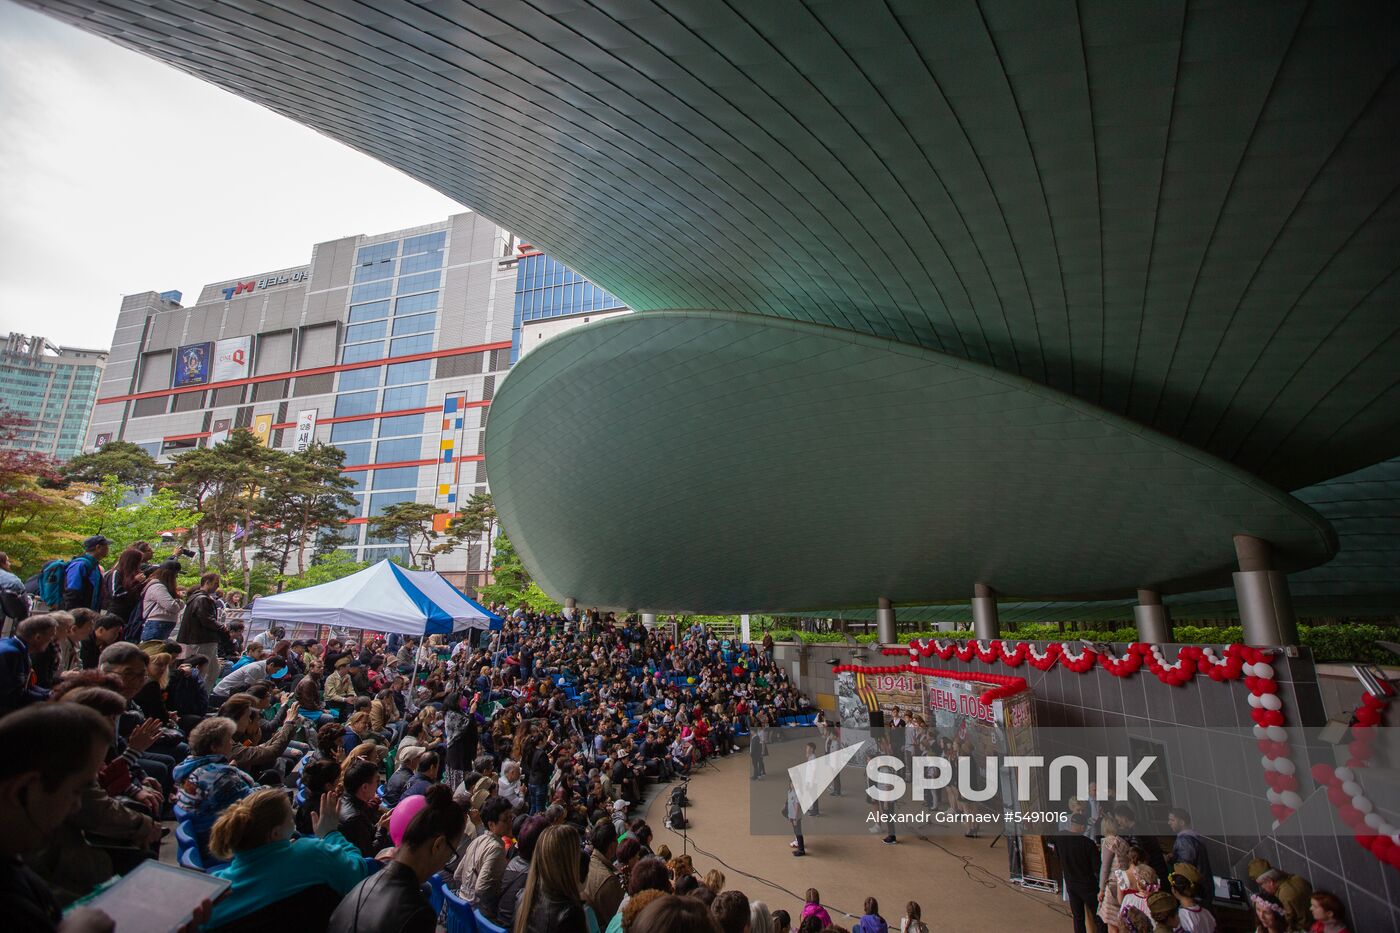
(413, 684)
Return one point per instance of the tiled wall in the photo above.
(1141, 704)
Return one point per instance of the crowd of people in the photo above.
(330, 779)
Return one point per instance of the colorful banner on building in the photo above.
(262, 429)
(306, 429)
(220, 431)
(232, 358)
(192, 363)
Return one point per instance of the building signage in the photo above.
(103, 440)
(231, 358)
(262, 429)
(306, 429)
(267, 281)
(220, 432)
(192, 364)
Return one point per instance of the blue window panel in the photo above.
(399, 373)
(405, 397)
(371, 291)
(358, 477)
(424, 242)
(353, 431)
(359, 352)
(423, 262)
(360, 504)
(380, 501)
(449, 404)
(417, 324)
(374, 272)
(427, 281)
(459, 424)
(416, 304)
(451, 497)
(403, 448)
(407, 346)
(374, 330)
(447, 456)
(367, 378)
(372, 311)
(397, 478)
(377, 252)
(356, 403)
(398, 427)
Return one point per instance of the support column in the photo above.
(1266, 609)
(648, 620)
(985, 622)
(1153, 625)
(885, 630)
(744, 628)
(570, 607)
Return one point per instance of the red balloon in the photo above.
(1287, 782)
(1272, 717)
(1352, 816)
(1392, 856)
(1368, 716)
(1338, 796)
(1265, 685)
(1280, 812)
(1323, 774)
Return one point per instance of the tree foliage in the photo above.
(510, 580)
(37, 520)
(112, 512)
(476, 520)
(130, 464)
(304, 496)
(409, 523)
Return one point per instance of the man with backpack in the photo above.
(82, 578)
(200, 628)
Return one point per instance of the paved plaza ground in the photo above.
(956, 880)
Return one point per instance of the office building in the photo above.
(52, 388)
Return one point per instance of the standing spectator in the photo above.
(1292, 891)
(792, 809)
(125, 582)
(1329, 916)
(602, 890)
(200, 627)
(14, 602)
(18, 687)
(82, 579)
(1079, 865)
(1113, 862)
(1190, 847)
(160, 601)
(1151, 848)
(1185, 887)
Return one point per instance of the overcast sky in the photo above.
(119, 174)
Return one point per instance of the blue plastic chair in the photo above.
(485, 926)
(461, 916)
(372, 865)
(436, 885)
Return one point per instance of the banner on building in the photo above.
(220, 431)
(306, 429)
(231, 359)
(192, 363)
(104, 439)
(262, 429)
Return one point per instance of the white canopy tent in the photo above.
(381, 598)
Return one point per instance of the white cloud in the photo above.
(120, 174)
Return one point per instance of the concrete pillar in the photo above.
(570, 607)
(1266, 609)
(985, 623)
(744, 628)
(885, 630)
(648, 620)
(1153, 625)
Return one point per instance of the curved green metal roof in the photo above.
(1182, 212)
(743, 463)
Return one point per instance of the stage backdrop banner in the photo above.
(231, 359)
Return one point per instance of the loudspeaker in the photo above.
(679, 798)
(877, 719)
(676, 819)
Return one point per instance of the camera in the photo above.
(184, 552)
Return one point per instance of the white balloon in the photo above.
(1264, 670)
(1374, 820)
(1270, 701)
(1363, 804)
(1267, 762)
(1291, 800)
(1345, 774)
(1385, 829)
(1273, 796)
(1260, 732)
(1274, 825)
(1284, 766)
(1248, 669)
(1254, 701)
(1351, 788)
(1277, 734)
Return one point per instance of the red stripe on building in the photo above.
(316, 371)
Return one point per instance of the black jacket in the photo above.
(1079, 859)
(199, 624)
(358, 824)
(388, 901)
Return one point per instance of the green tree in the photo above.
(37, 521)
(412, 524)
(130, 464)
(476, 521)
(510, 580)
(303, 495)
(112, 513)
(323, 569)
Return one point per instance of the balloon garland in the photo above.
(1372, 831)
(1005, 686)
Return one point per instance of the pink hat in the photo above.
(403, 814)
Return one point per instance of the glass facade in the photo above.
(546, 288)
(54, 392)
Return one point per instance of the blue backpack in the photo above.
(51, 583)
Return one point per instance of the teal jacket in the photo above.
(278, 870)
